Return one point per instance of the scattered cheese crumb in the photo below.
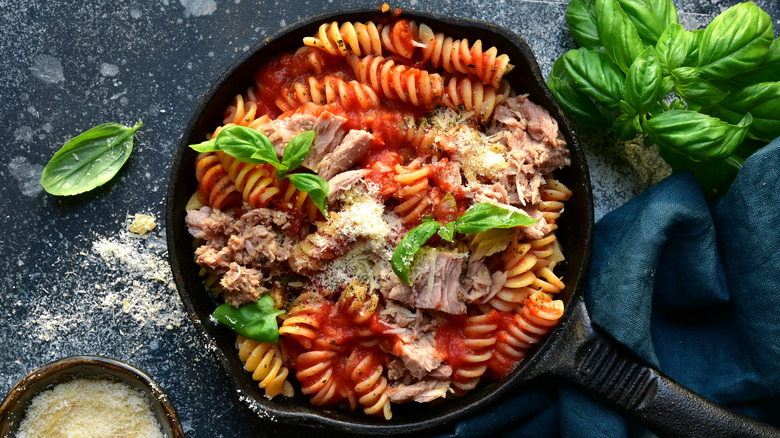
(142, 224)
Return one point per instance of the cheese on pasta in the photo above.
(480, 155)
(95, 408)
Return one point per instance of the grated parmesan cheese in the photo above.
(364, 216)
(480, 155)
(96, 408)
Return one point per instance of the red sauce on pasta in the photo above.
(499, 369)
(449, 341)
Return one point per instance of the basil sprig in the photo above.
(724, 80)
(476, 219)
(256, 321)
(89, 160)
(251, 146)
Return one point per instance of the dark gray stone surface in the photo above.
(74, 281)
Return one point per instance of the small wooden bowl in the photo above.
(15, 405)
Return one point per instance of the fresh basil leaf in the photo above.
(736, 41)
(447, 232)
(315, 186)
(697, 136)
(672, 47)
(650, 17)
(297, 149)
(89, 160)
(596, 75)
(644, 82)
(206, 146)
(577, 105)
(623, 127)
(256, 321)
(762, 101)
(617, 33)
(484, 216)
(694, 43)
(689, 85)
(248, 146)
(767, 71)
(410, 244)
(581, 18)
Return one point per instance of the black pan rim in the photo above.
(526, 370)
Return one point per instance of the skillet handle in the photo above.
(602, 365)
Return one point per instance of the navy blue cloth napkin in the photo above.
(691, 288)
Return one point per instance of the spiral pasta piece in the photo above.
(256, 182)
(519, 263)
(313, 59)
(302, 323)
(553, 195)
(264, 361)
(291, 198)
(413, 191)
(401, 38)
(315, 371)
(215, 186)
(357, 302)
(457, 56)
(330, 89)
(365, 371)
(419, 136)
(398, 82)
(539, 315)
(466, 94)
(351, 37)
(480, 336)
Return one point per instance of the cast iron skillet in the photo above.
(574, 350)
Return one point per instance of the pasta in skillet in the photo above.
(410, 127)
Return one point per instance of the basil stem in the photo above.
(89, 160)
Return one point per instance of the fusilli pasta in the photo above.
(442, 131)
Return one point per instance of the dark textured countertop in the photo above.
(74, 281)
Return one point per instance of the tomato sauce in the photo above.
(449, 341)
(498, 369)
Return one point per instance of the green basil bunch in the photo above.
(706, 98)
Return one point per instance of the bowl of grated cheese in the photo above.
(88, 396)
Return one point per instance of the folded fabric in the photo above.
(691, 289)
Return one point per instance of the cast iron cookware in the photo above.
(574, 350)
